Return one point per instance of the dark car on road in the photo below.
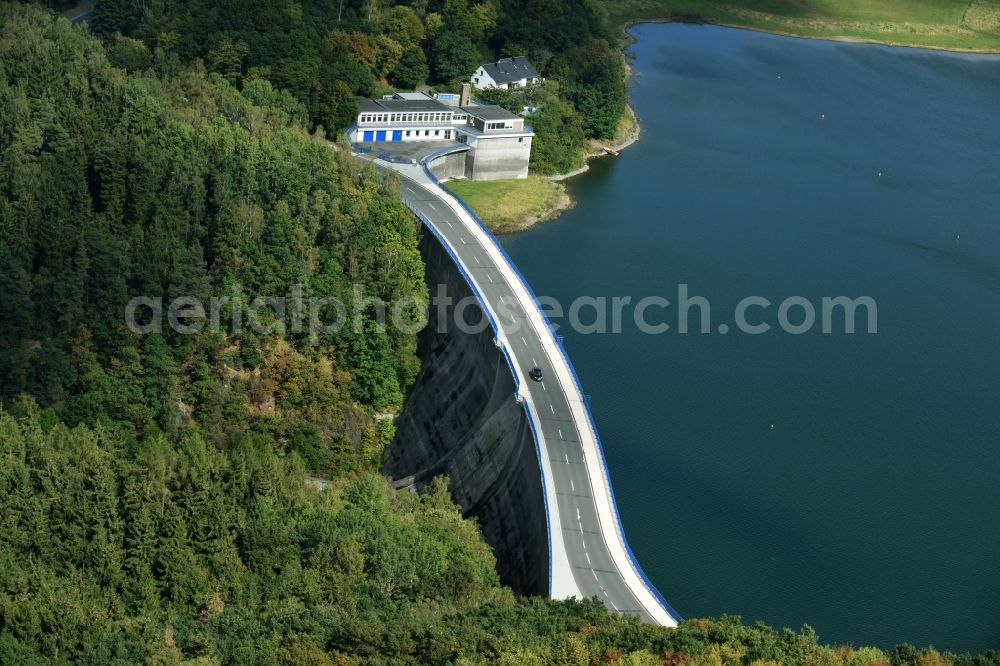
(536, 374)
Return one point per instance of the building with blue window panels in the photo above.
(498, 141)
(406, 117)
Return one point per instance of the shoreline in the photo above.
(599, 149)
(566, 202)
(841, 39)
(523, 203)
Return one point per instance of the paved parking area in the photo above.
(415, 150)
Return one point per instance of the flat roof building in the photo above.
(499, 142)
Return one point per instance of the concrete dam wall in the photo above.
(450, 166)
(462, 420)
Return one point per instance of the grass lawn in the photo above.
(509, 205)
(950, 24)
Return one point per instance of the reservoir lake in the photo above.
(846, 481)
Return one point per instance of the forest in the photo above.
(119, 185)
(325, 52)
(155, 491)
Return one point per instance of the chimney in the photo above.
(463, 98)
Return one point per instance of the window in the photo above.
(407, 132)
(447, 134)
(437, 132)
(427, 132)
(520, 139)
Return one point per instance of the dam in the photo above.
(523, 457)
(462, 420)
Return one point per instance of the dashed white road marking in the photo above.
(566, 456)
(490, 277)
(613, 606)
(552, 408)
(543, 387)
(431, 204)
(588, 557)
(533, 361)
(595, 574)
(463, 241)
(584, 544)
(572, 486)
(560, 436)
(481, 263)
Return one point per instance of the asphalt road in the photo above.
(593, 567)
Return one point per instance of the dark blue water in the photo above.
(871, 509)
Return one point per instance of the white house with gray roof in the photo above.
(515, 72)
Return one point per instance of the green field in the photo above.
(510, 205)
(947, 24)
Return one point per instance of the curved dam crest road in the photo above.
(589, 556)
